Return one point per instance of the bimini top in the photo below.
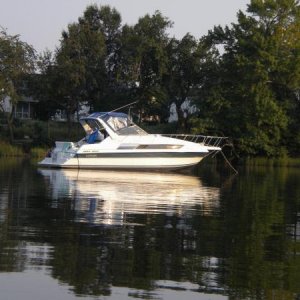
(105, 115)
(119, 123)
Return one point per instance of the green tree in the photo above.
(81, 61)
(189, 64)
(42, 86)
(105, 21)
(209, 92)
(76, 74)
(17, 59)
(144, 61)
(260, 75)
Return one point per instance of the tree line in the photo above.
(244, 79)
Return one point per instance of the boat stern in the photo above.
(63, 155)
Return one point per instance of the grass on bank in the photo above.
(38, 152)
(33, 138)
(8, 150)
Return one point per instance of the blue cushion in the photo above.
(93, 136)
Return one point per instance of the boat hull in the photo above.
(134, 161)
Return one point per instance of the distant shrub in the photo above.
(40, 133)
(7, 150)
(38, 152)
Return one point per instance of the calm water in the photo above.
(124, 235)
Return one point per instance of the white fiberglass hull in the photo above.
(145, 152)
(125, 160)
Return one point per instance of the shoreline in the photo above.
(8, 150)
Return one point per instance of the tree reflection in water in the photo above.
(151, 235)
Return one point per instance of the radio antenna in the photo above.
(123, 106)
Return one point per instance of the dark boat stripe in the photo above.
(150, 146)
(141, 154)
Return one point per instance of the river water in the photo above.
(126, 235)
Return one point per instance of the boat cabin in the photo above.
(111, 124)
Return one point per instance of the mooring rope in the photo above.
(231, 166)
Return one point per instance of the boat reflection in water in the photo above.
(112, 197)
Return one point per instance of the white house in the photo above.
(25, 107)
(187, 107)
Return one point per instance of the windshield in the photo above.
(124, 126)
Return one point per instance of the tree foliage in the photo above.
(260, 76)
(190, 61)
(144, 61)
(244, 78)
(17, 59)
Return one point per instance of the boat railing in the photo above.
(206, 140)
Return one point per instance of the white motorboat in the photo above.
(113, 141)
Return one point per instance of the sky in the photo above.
(40, 22)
